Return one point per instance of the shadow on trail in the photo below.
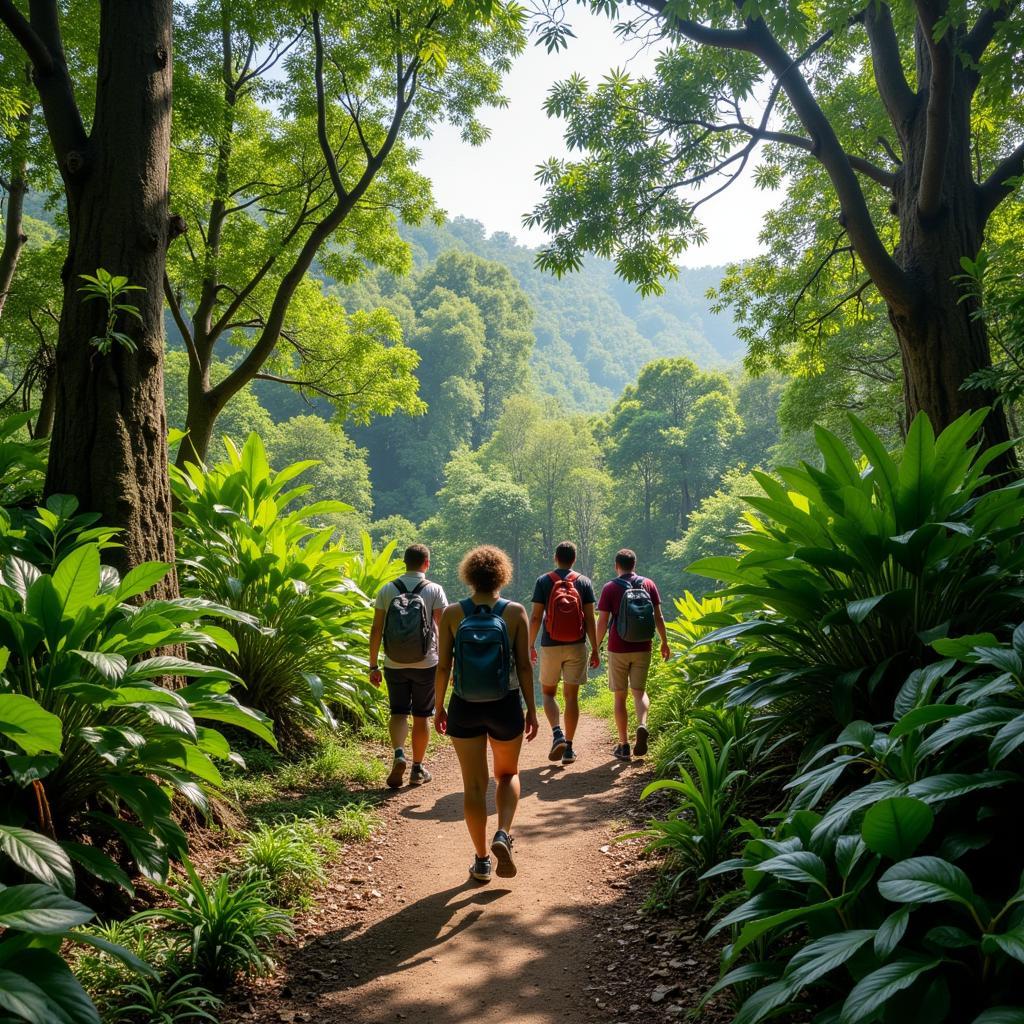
(581, 796)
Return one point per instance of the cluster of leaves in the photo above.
(298, 642)
(888, 886)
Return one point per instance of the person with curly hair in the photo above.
(486, 640)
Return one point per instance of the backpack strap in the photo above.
(400, 586)
(499, 607)
(623, 581)
(554, 577)
(467, 606)
(419, 586)
(573, 576)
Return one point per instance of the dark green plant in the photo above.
(902, 898)
(36, 985)
(288, 857)
(301, 649)
(111, 289)
(22, 461)
(852, 570)
(93, 744)
(180, 1001)
(221, 930)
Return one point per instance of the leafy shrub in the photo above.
(180, 1001)
(22, 460)
(288, 857)
(221, 930)
(36, 985)
(850, 572)
(242, 547)
(93, 743)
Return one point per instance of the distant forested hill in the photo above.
(593, 331)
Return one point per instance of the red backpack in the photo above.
(564, 612)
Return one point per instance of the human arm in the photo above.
(602, 628)
(445, 635)
(524, 669)
(376, 635)
(590, 624)
(536, 620)
(659, 625)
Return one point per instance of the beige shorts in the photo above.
(628, 670)
(566, 661)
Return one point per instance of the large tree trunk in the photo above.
(942, 342)
(109, 446)
(14, 230)
(200, 418)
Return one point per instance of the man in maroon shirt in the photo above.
(629, 663)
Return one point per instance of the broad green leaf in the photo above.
(142, 578)
(77, 578)
(897, 826)
(29, 1003)
(34, 729)
(68, 1001)
(1010, 942)
(40, 909)
(110, 666)
(753, 930)
(891, 931)
(926, 715)
(800, 866)
(1006, 741)
(823, 955)
(98, 864)
(1001, 1015)
(926, 880)
(874, 990)
(39, 856)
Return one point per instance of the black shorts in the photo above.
(502, 720)
(411, 691)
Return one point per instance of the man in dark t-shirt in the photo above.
(629, 663)
(569, 614)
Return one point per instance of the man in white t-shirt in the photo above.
(410, 683)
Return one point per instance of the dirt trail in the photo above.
(408, 937)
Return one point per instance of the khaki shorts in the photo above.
(628, 669)
(566, 661)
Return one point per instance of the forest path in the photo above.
(414, 939)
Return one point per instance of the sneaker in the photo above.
(397, 771)
(502, 850)
(419, 775)
(570, 755)
(480, 869)
(558, 746)
(642, 735)
(621, 752)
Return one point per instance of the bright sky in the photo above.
(495, 185)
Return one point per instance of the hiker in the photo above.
(563, 613)
(406, 616)
(632, 605)
(484, 638)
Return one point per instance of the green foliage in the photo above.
(111, 289)
(288, 857)
(179, 1002)
(36, 985)
(298, 645)
(222, 930)
(93, 743)
(848, 574)
(22, 461)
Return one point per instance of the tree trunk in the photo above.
(43, 426)
(200, 418)
(14, 225)
(109, 446)
(942, 342)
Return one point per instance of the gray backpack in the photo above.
(408, 632)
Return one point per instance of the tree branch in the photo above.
(937, 115)
(899, 99)
(179, 320)
(980, 37)
(994, 189)
(321, 108)
(26, 37)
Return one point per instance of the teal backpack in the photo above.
(483, 653)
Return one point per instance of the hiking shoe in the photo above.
(558, 745)
(397, 772)
(570, 755)
(480, 869)
(621, 752)
(642, 736)
(501, 847)
(419, 775)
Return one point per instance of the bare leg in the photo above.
(398, 727)
(572, 710)
(621, 715)
(420, 736)
(475, 777)
(642, 704)
(551, 707)
(506, 772)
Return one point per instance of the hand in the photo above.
(533, 655)
(375, 676)
(666, 651)
(531, 725)
(441, 720)
(595, 659)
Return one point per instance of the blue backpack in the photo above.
(483, 653)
